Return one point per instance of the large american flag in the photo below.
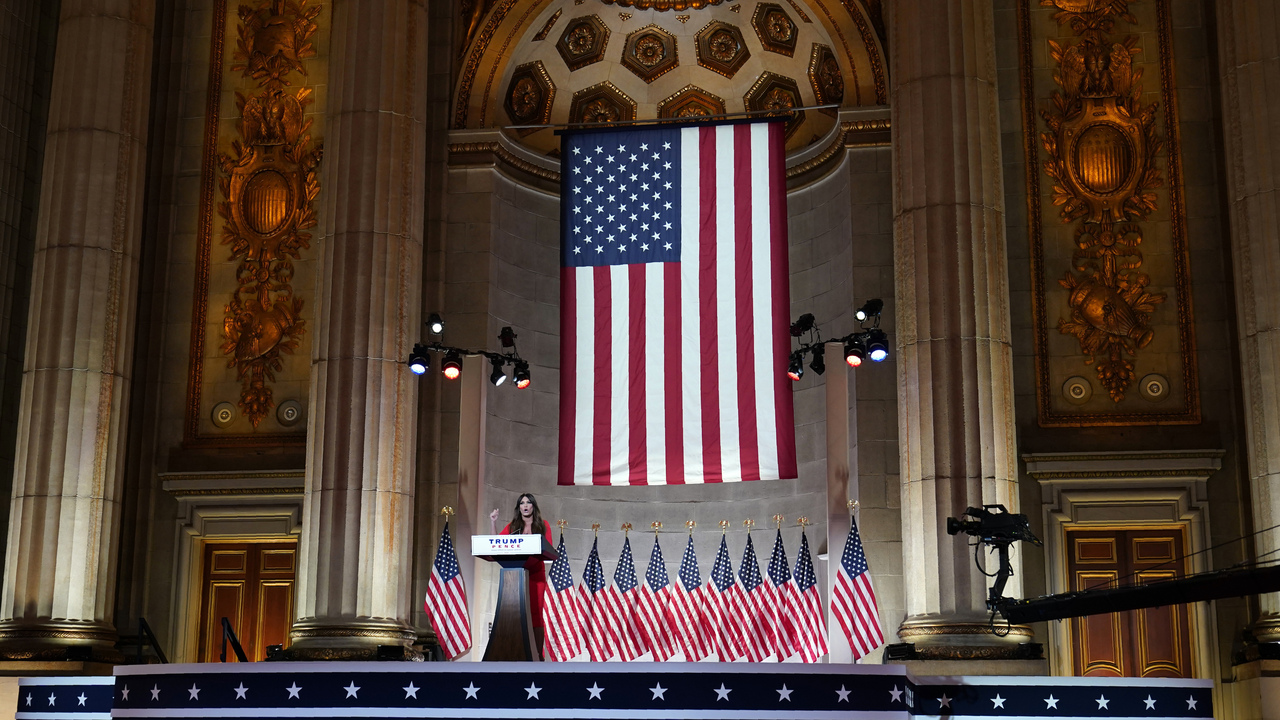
(654, 606)
(446, 603)
(783, 607)
(853, 602)
(688, 609)
(757, 627)
(597, 626)
(726, 608)
(811, 626)
(622, 602)
(561, 611)
(674, 307)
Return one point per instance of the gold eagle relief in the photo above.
(1101, 143)
(269, 183)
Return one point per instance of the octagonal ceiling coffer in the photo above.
(583, 41)
(721, 48)
(650, 53)
(779, 94)
(774, 27)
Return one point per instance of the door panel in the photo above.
(250, 584)
(1152, 642)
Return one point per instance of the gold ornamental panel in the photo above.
(260, 178)
(1111, 301)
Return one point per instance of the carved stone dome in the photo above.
(530, 63)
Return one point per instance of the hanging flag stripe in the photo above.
(670, 307)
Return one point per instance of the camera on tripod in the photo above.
(993, 524)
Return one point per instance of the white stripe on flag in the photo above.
(727, 305)
(761, 278)
(584, 397)
(655, 380)
(690, 322)
(619, 409)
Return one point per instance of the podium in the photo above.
(512, 636)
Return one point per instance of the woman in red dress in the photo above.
(528, 521)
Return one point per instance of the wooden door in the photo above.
(1152, 642)
(250, 584)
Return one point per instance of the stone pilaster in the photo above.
(955, 391)
(59, 575)
(1249, 52)
(355, 571)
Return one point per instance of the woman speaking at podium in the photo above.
(527, 520)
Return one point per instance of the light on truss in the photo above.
(522, 374)
(452, 365)
(795, 369)
(419, 361)
(498, 376)
(877, 345)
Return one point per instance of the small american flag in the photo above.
(674, 302)
(726, 608)
(688, 609)
(597, 630)
(811, 627)
(656, 624)
(757, 631)
(782, 607)
(623, 605)
(446, 603)
(561, 611)
(853, 601)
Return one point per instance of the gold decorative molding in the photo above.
(663, 5)
(1101, 148)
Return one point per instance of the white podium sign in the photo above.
(500, 545)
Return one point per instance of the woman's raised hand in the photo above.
(493, 516)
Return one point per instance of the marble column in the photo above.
(355, 569)
(59, 573)
(955, 367)
(1249, 52)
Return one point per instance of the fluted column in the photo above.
(59, 574)
(355, 571)
(955, 392)
(1249, 51)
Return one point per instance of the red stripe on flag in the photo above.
(603, 421)
(672, 372)
(568, 370)
(636, 352)
(781, 301)
(744, 301)
(709, 294)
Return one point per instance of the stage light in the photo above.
(854, 352)
(498, 376)
(507, 337)
(819, 363)
(870, 308)
(795, 369)
(877, 345)
(522, 374)
(435, 324)
(452, 365)
(419, 361)
(803, 325)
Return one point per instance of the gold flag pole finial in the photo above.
(777, 521)
(724, 526)
(803, 521)
(562, 524)
(691, 524)
(595, 528)
(749, 524)
(655, 526)
(626, 529)
(853, 506)
(446, 511)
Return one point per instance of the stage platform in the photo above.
(590, 691)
